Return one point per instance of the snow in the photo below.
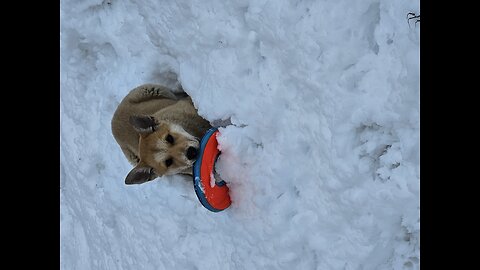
(321, 157)
(212, 180)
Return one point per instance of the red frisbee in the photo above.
(215, 198)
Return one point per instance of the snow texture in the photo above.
(321, 157)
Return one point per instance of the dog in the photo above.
(158, 131)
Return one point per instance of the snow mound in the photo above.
(321, 157)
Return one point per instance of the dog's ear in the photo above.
(143, 124)
(140, 174)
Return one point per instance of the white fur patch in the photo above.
(160, 156)
(178, 129)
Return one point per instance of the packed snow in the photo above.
(321, 156)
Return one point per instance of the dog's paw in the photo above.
(155, 90)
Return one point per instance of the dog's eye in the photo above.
(168, 162)
(169, 139)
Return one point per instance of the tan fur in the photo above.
(146, 147)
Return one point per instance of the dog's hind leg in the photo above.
(149, 91)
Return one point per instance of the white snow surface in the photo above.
(322, 156)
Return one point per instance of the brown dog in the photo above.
(158, 131)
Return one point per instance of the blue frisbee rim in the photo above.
(197, 183)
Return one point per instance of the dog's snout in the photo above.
(191, 152)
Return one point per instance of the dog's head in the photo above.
(164, 149)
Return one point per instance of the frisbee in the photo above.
(211, 190)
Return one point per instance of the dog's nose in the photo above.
(191, 153)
